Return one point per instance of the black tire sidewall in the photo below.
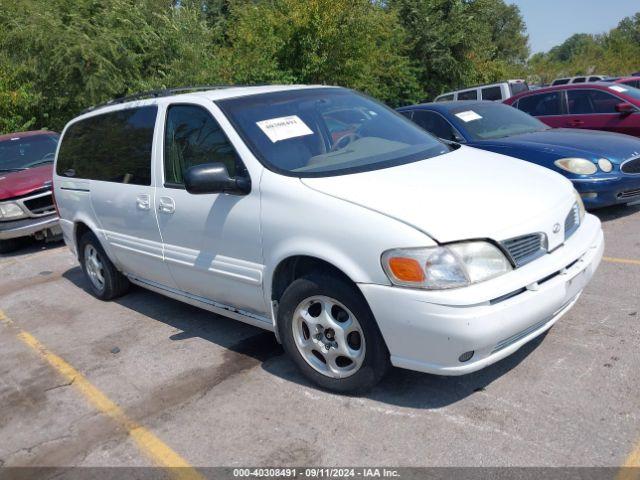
(376, 361)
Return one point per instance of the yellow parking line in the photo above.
(628, 261)
(631, 468)
(146, 441)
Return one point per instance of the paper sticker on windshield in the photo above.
(618, 88)
(283, 128)
(468, 116)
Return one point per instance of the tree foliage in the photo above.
(616, 52)
(58, 57)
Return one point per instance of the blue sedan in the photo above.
(604, 167)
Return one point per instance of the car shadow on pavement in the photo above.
(33, 246)
(614, 212)
(400, 387)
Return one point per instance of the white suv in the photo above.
(496, 92)
(329, 219)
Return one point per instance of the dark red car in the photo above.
(596, 106)
(26, 201)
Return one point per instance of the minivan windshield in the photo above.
(314, 132)
(19, 153)
(490, 120)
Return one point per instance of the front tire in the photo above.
(105, 281)
(328, 330)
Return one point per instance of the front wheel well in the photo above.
(80, 229)
(298, 266)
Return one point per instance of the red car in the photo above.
(26, 201)
(596, 106)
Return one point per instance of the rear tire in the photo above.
(328, 330)
(105, 281)
(10, 245)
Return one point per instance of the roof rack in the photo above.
(164, 92)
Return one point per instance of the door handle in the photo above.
(575, 123)
(166, 205)
(143, 202)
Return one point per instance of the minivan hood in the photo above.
(17, 184)
(465, 194)
(566, 142)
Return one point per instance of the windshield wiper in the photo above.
(11, 169)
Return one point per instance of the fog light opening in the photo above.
(466, 356)
(589, 195)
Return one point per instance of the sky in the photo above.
(550, 22)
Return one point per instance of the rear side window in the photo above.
(113, 147)
(468, 95)
(584, 102)
(541, 104)
(193, 137)
(518, 87)
(595, 79)
(561, 81)
(492, 93)
(579, 80)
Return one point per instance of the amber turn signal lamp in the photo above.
(406, 269)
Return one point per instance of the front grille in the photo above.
(631, 166)
(525, 249)
(572, 222)
(40, 205)
(629, 193)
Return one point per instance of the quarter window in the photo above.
(468, 95)
(492, 93)
(193, 137)
(445, 98)
(584, 102)
(541, 104)
(112, 147)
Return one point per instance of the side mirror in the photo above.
(214, 178)
(625, 108)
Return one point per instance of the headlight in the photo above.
(605, 165)
(9, 211)
(580, 166)
(580, 204)
(450, 266)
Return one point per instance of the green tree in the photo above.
(458, 43)
(353, 43)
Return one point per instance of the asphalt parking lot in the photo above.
(146, 378)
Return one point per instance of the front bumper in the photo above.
(427, 331)
(607, 191)
(28, 226)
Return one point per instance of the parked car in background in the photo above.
(381, 246)
(495, 92)
(604, 167)
(26, 201)
(579, 79)
(595, 106)
(630, 81)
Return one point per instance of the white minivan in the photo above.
(496, 92)
(315, 212)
